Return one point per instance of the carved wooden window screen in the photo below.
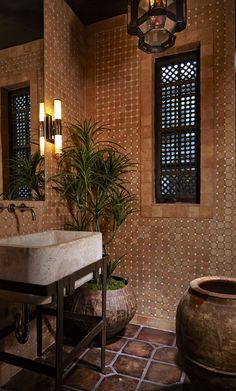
(177, 128)
(19, 131)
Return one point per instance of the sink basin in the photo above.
(45, 257)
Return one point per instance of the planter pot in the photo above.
(121, 307)
(206, 333)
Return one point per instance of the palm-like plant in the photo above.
(27, 173)
(93, 181)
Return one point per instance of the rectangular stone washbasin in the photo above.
(45, 257)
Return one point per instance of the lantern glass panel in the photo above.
(156, 37)
(143, 7)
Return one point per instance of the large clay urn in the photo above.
(120, 307)
(206, 333)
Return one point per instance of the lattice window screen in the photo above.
(177, 128)
(19, 129)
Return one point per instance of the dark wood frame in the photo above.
(160, 198)
(56, 290)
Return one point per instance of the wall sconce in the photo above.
(57, 126)
(41, 129)
(50, 128)
(155, 22)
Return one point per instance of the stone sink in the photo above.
(45, 257)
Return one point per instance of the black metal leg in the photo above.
(104, 298)
(59, 335)
(39, 325)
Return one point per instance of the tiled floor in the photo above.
(141, 358)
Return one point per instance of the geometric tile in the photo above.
(166, 354)
(156, 336)
(145, 386)
(116, 344)
(118, 383)
(130, 366)
(93, 357)
(129, 331)
(131, 355)
(163, 373)
(138, 348)
(82, 378)
(34, 381)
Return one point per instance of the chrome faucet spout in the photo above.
(23, 208)
(33, 214)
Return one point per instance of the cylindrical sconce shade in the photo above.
(41, 112)
(58, 143)
(57, 109)
(42, 145)
(57, 127)
(41, 129)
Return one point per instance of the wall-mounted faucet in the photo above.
(11, 208)
(23, 208)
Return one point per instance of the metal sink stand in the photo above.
(56, 290)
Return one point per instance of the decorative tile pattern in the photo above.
(163, 373)
(164, 253)
(126, 368)
(156, 337)
(118, 383)
(62, 73)
(138, 348)
(166, 354)
(130, 366)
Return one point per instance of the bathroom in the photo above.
(98, 72)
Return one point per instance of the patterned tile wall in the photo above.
(63, 79)
(164, 254)
(16, 60)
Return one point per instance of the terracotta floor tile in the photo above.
(145, 386)
(138, 348)
(130, 366)
(130, 331)
(93, 357)
(34, 382)
(163, 373)
(116, 344)
(82, 378)
(156, 336)
(118, 383)
(166, 354)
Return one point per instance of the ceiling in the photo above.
(21, 21)
(91, 11)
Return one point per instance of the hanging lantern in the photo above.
(155, 22)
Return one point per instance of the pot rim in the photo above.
(196, 286)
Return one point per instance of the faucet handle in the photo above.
(11, 208)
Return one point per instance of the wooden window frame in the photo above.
(187, 40)
(176, 131)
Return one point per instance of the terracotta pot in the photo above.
(121, 307)
(206, 333)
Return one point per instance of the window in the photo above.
(177, 128)
(19, 132)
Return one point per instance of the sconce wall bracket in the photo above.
(49, 128)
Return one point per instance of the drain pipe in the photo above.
(22, 325)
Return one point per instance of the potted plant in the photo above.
(27, 177)
(92, 179)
